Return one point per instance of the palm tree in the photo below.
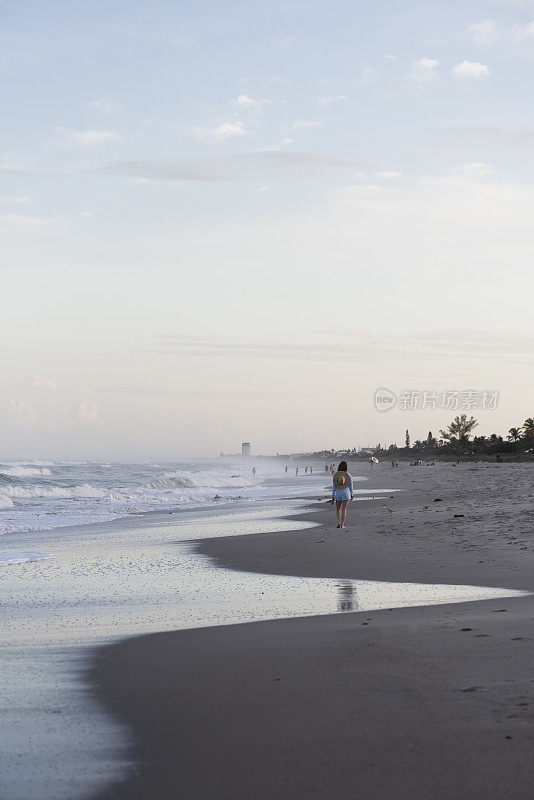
(514, 435)
(528, 430)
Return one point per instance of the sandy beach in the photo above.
(421, 702)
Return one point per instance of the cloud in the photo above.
(22, 220)
(522, 31)
(483, 33)
(142, 391)
(227, 130)
(106, 105)
(526, 4)
(15, 200)
(89, 138)
(21, 413)
(471, 70)
(492, 136)
(248, 166)
(332, 98)
(475, 169)
(368, 74)
(37, 382)
(244, 101)
(88, 412)
(13, 168)
(306, 123)
(518, 39)
(284, 41)
(424, 70)
(348, 346)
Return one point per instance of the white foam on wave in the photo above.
(24, 472)
(82, 491)
(5, 502)
(207, 479)
(7, 558)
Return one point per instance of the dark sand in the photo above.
(434, 702)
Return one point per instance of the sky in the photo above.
(227, 222)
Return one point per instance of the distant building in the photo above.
(245, 449)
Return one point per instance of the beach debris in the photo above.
(459, 515)
(472, 689)
(388, 509)
(438, 500)
(466, 629)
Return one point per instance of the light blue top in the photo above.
(343, 494)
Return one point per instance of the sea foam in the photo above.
(7, 558)
(23, 472)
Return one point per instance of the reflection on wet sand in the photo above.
(347, 599)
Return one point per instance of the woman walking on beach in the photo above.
(342, 492)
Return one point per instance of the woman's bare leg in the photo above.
(338, 511)
(344, 506)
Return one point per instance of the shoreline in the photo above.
(408, 703)
(109, 581)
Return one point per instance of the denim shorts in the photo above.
(342, 494)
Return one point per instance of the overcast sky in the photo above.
(234, 221)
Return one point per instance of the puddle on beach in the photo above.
(131, 577)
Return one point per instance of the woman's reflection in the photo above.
(347, 596)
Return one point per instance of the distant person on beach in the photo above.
(311, 470)
(297, 472)
(253, 470)
(326, 467)
(286, 470)
(306, 470)
(342, 492)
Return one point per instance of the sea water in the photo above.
(38, 495)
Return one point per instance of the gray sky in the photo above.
(236, 221)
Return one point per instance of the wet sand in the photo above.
(409, 703)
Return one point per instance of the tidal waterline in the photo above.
(130, 577)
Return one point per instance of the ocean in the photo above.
(40, 495)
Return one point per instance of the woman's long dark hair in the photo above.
(342, 466)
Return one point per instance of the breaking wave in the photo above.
(22, 472)
(41, 495)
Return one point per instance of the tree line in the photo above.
(457, 440)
